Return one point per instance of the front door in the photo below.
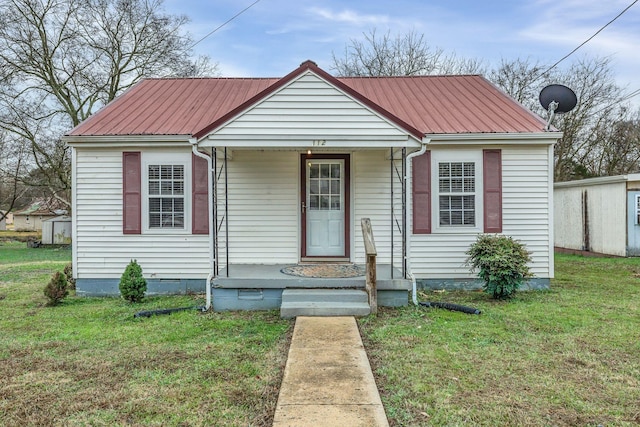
(325, 206)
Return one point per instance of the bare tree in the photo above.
(619, 150)
(588, 129)
(60, 60)
(12, 169)
(403, 55)
(521, 79)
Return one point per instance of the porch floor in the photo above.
(269, 276)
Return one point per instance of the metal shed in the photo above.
(56, 231)
(599, 215)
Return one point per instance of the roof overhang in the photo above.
(543, 138)
(603, 180)
(126, 140)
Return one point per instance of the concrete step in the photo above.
(324, 302)
(325, 295)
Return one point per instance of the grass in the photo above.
(567, 356)
(89, 362)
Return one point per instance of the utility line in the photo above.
(227, 21)
(587, 40)
(618, 101)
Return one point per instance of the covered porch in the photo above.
(260, 286)
(293, 173)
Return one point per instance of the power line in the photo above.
(618, 101)
(227, 21)
(587, 40)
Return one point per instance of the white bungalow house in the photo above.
(227, 181)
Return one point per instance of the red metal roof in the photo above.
(421, 105)
(171, 106)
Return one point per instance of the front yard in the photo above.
(565, 357)
(89, 362)
(568, 356)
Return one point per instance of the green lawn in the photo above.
(565, 357)
(89, 362)
(568, 356)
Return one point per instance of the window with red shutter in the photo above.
(200, 195)
(132, 193)
(492, 176)
(421, 191)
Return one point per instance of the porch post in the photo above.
(392, 209)
(214, 194)
(404, 215)
(226, 209)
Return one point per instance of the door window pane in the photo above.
(314, 186)
(335, 170)
(335, 186)
(335, 203)
(314, 170)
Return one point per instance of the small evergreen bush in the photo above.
(68, 271)
(57, 288)
(501, 262)
(132, 284)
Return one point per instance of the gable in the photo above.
(308, 109)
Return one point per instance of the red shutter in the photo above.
(200, 195)
(492, 174)
(132, 193)
(421, 191)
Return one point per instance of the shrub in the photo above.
(132, 283)
(57, 288)
(68, 271)
(501, 262)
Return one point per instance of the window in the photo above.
(166, 189)
(457, 194)
(637, 210)
(324, 186)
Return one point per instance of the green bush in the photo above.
(57, 288)
(501, 262)
(132, 283)
(68, 271)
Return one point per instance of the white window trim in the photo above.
(456, 156)
(180, 159)
(637, 209)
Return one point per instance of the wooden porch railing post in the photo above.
(371, 253)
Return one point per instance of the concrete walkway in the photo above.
(328, 380)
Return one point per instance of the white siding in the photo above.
(264, 216)
(372, 194)
(606, 218)
(263, 207)
(526, 211)
(102, 251)
(525, 216)
(308, 108)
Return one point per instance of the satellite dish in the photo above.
(565, 97)
(557, 99)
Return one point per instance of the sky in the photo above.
(274, 37)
